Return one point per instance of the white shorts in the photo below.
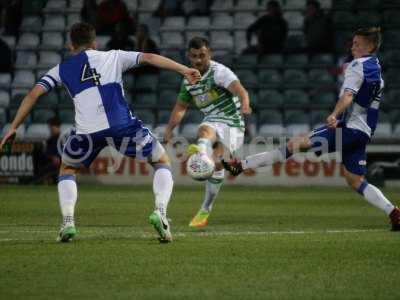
(231, 137)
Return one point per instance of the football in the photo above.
(200, 167)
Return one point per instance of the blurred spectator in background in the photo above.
(6, 62)
(318, 29)
(110, 13)
(11, 16)
(197, 7)
(52, 157)
(144, 43)
(120, 39)
(168, 8)
(89, 11)
(271, 30)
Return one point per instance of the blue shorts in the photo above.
(353, 146)
(132, 140)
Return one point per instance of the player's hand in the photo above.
(246, 110)
(331, 121)
(8, 138)
(192, 75)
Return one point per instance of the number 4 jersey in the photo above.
(94, 82)
(363, 78)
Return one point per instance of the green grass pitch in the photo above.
(262, 243)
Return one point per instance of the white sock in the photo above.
(205, 146)
(264, 159)
(213, 186)
(375, 197)
(67, 196)
(162, 188)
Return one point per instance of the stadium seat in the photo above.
(148, 5)
(23, 79)
(322, 60)
(391, 19)
(72, 19)
(167, 98)
(296, 98)
(66, 116)
(383, 130)
(225, 5)
(3, 116)
(9, 40)
(222, 21)
(172, 39)
(49, 100)
(369, 5)
(297, 129)
(226, 59)
(20, 131)
(65, 100)
(28, 41)
(65, 128)
(42, 115)
(16, 99)
(244, 5)
(271, 61)
(163, 117)
(295, 43)
(325, 100)
(271, 130)
(189, 130)
(240, 41)
(193, 116)
(295, 19)
(54, 23)
(146, 116)
(320, 77)
(4, 98)
(38, 132)
(270, 98)
(146, 82)
(392, 98)
(318, 117)
(269, 116)
(344, 20)
(31, 24)
(242, 20)
(170, 79)
(248, 78)
(26, 59)
(296, 61)
(55, 6)
(269, 78)
(191, 34)
(396, 131)
(391, 39)
(52, 41)
(48, 59)
(367, 18)
(221, 40)
(391, 77)
(5, 80)
(173, 24)
(33, 7)
(198, 23)
(296, 116)
(145, 100)
(296, 5)
(390, 58)
(295, 78)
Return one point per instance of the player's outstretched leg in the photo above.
(375, 197)
(162, 188)
(67, 195)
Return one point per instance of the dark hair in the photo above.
(197, 42)
(82, 34)
(371, 34)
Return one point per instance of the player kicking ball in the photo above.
(224, 101)
(102, 117)
(360, 98)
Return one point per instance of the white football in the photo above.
(200, 167)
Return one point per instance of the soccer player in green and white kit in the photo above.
(224, 101)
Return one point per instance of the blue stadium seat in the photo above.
(270, 98)
(248, 78)
(271, 61)
(66, 116)
(49, 100)
(296, 99)
(39, 131)
(270, 78)
(144, 100)
(42, 115)
(295, 78)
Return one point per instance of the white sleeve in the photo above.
(128, 59)
(224, 76)
(51, 79)
(353, 77)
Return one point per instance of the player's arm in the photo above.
(192, 75)
(26, 106)
(237, 89)
(177, 115)
(344, 102)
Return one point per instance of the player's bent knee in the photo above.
(67, 170)
(354, 180)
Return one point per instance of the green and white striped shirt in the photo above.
(212, 97)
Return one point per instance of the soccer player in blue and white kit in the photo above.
(102, 117)
(360, 98)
